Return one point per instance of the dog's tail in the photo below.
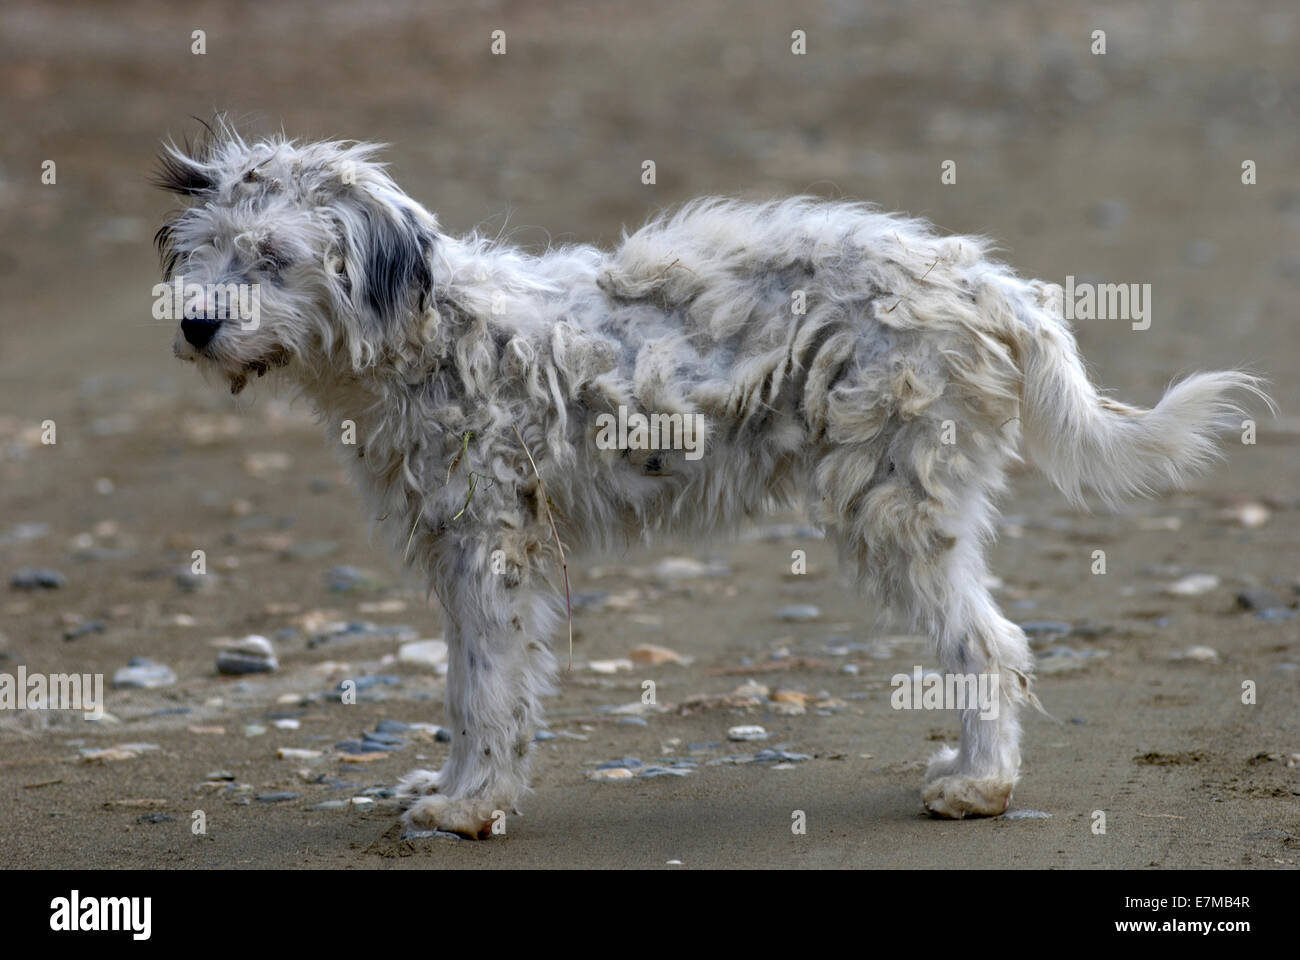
(1082, 439)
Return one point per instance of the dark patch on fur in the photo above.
(396, 273)
(182, 177)
(185, 175)
(165, 241)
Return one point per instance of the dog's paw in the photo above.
(956, 796)
(469, 818)
(416, 784)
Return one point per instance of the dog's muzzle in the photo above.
(199, 330)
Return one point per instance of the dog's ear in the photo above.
(179, 171)
(387, 251)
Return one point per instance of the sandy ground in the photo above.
(1123, 168)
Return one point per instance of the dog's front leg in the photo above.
(499, 667)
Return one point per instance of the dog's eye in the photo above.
(336, 265)
(268, 254)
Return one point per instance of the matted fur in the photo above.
(439, 348)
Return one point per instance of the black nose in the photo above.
(199, 330)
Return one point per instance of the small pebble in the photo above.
(388, 740)
(1248, 513)
(1066, 659)
(143, 674)
(779, 756)
(282, 796)
(344, 579)
(799, 613)
(77, 632)
(108, 755)
(331, 805)
(357, 747)
(296, 753)
(604, 774)
(192, 582)
(253, 654)
(33, 578)
(425, 653)
(1025, 815)
(1192, 586)
(686, 568)
(654, 656)
(798, 697)
(374, 680)
(626, 762)
(747, 733)
(1046, 628)
(24, 532)
(1276, 614)
(431, 835)
(1260, 600)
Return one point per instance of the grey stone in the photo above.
(799, 613)
(37, 578)
(143, 674)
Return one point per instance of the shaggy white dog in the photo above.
(833, 354)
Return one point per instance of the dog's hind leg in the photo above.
(917, 538)
(986, 666)
(986, 654)
(499, 666)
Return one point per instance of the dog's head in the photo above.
(288, 254)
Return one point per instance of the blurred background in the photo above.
(1124, 167)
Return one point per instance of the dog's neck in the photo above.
(483, 295)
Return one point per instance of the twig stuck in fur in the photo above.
(411, 539)
(922, 280)
(564, 564)
(464, 448)
(473, 482)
